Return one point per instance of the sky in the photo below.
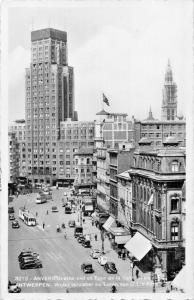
(118, 48)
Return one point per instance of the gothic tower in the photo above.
(169, 102)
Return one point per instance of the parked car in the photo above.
(15, 224)
(13, 287)
(71, 223)
(95, 253)
(31, 265)
(54, 209)
(11, 210)
(110, 268)
(102, 260)
(11, 217)
(28, 253)
(80, 239)
(86, 243)
(87, 268)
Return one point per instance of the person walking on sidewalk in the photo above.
(96, 237)
(43, 225)
(119, 253)
(137, 273)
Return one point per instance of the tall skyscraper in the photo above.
(49, 99)
(169, 103)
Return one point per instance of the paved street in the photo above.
(62, 258)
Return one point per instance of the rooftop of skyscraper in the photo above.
(48, 33)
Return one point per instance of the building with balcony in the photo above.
(157, 182)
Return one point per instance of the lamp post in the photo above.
(102, 239)
(154, 274)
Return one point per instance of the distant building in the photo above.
(157, 181)
(169, 102)
(113, 128)
(74, 135)
(13, 167)
(157, 131)
(120, 161)
(18, 127)
(83, 168)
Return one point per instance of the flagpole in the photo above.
(102, 102)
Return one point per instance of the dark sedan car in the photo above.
(110, 268)
(86, 243)
(11, 217)
(15, 224)
(87, 268)
(81, 239)
(25, 254)
(31, 264)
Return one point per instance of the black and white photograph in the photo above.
(97, 149)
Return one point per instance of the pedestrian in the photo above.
(92, 222)
(43, 225)
(83, 221)
(119, 253)
(124, 255)
(96, 237)
(137, 273)
(47, 212)
(36, 214)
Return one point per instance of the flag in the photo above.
(105, 100)
(151, 200)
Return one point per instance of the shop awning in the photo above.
(123, 239)
(179, 281)
(109, 223)
(122, 235)
(138, 245)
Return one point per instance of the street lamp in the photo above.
(154, 274)
(102, 239)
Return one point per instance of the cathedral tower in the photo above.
(169, 102)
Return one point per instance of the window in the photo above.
(88, 161)
(174, 231)
(174, 203)
(175, 166)
(82, 170)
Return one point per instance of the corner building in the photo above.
(49, 100)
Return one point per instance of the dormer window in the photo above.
(175, 166)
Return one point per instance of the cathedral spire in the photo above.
(168, 75)
(169, 101)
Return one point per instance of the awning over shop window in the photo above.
(109, 223)
(179, 281)
(138, 245)
(122, 235)
(123, 239)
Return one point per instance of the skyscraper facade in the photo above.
(49, 100)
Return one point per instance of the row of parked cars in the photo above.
(103, 261)
(28, 259)
(84, 241)
(15, 223)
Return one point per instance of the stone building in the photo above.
(83, 159)
(18, 127)
(13, 167)
(157, 181)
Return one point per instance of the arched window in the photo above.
(175, 166)
(174, 231)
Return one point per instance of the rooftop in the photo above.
(48, 33)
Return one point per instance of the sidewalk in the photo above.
(123, 266)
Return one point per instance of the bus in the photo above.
(27, 217)
(41, 199)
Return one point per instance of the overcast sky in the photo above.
(119, 48)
